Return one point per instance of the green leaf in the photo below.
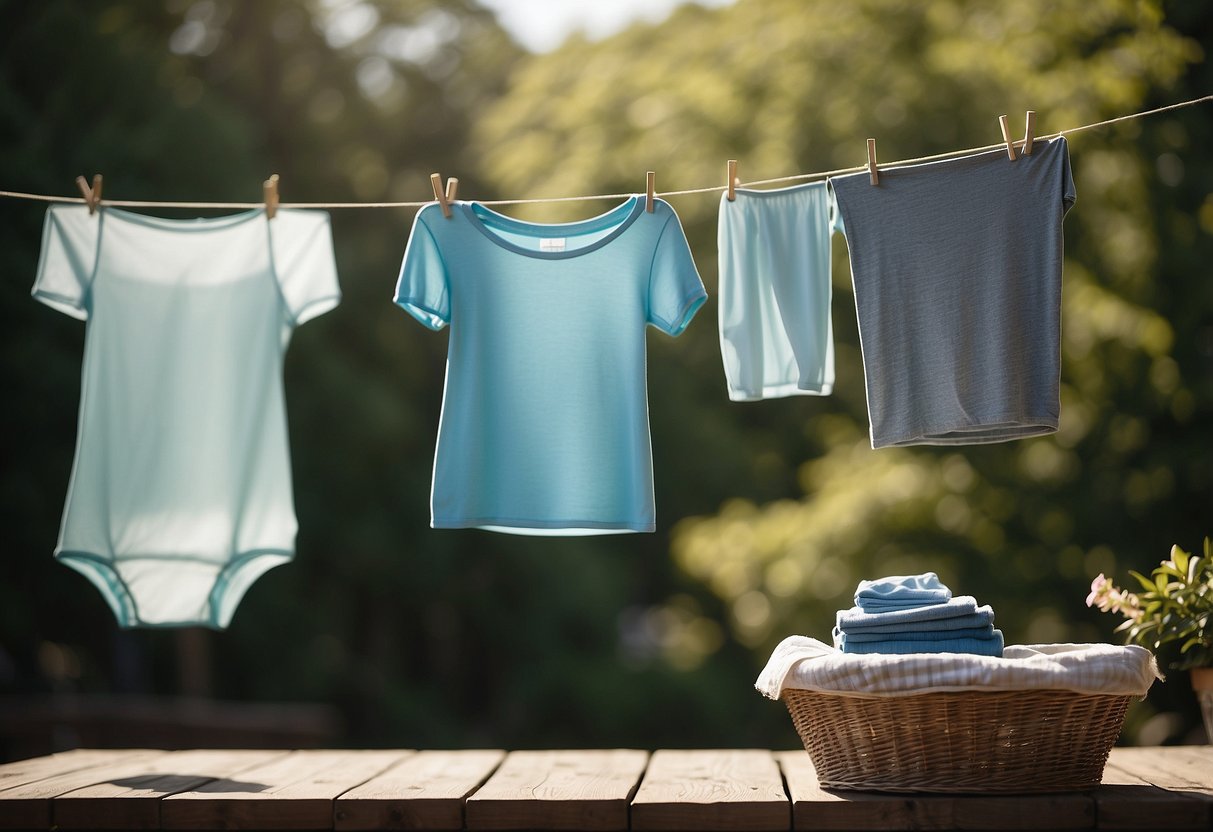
(1181, 558)
(1146, 583)
(1165, 569)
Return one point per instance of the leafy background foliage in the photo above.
(769, 512)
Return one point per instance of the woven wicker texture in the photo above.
(971, 741)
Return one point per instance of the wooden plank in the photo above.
(39, 768)
(295, 791)
(816, 808)
(422, 791)
(1200, 762)
(1128, 801)
(566, 790)
(132, 800)
(1176, 770)
(712, 790)
(1173, 768)
(28, 805)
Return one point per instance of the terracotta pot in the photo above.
(1202, 683)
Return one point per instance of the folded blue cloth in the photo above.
(900, 592)
(921, 618)
(982, 617)
(977, 646)
(842, 639)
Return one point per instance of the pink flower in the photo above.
(1126, 604)
(1108, 597)
(1099, 589)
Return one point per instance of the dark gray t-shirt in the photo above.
(956, 267)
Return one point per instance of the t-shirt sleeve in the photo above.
(302, 247)
(69, 256)
(422, 289)
(675, 290)
(1068, 194)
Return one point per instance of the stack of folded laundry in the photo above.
(915, 614)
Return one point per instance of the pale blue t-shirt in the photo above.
(180, 496)
(544, 426)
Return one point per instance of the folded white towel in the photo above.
(808, 664)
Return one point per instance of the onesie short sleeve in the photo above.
(675, 290)
(69, 255)
(422, 288)
(302, 249)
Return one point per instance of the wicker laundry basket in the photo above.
(968, 741)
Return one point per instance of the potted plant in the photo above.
(1174, 607)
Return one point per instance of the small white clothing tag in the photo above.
(551, 244)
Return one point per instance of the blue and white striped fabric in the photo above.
(804, 663)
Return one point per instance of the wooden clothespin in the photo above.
(92, 196)
(436, 182)
(270, 188)
(96, 192)
(452, 188)
(873, 175)
(1029, 133)
(732, 179)
(650, 183)
(1006, 137)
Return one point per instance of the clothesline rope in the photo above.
(800, 177)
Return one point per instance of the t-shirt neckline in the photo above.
(483, 219)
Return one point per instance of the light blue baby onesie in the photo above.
(544, 426)
(776, 335)
(180, 495)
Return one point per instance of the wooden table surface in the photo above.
(672, 791)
